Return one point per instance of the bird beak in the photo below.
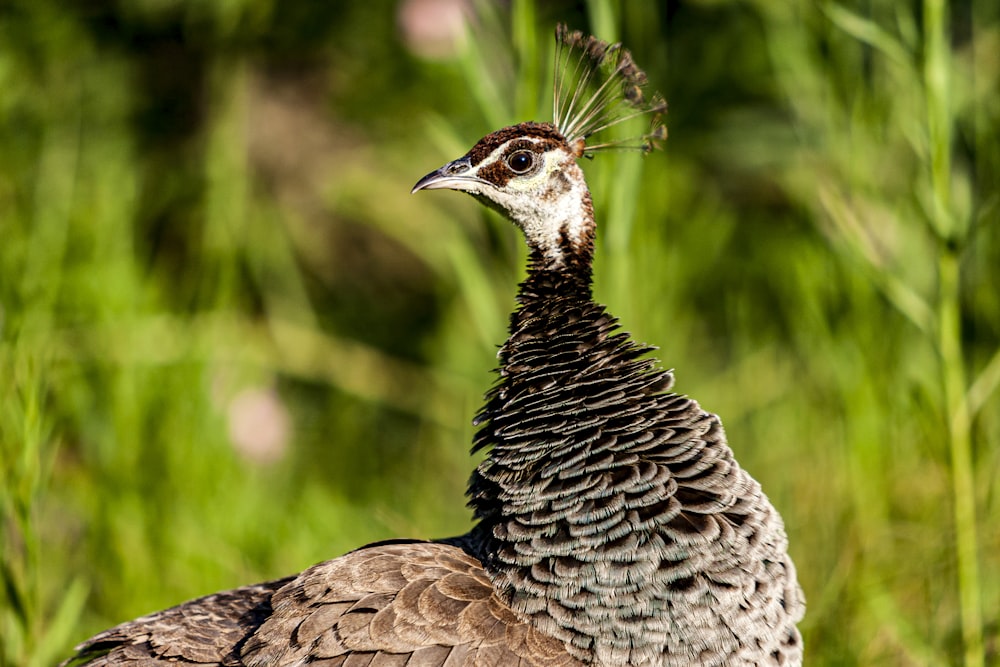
(456, 175)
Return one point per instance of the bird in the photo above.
(613, 524)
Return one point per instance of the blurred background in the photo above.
(233, 344)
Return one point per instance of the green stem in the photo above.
(963, 479)
(936, 71)
(939, 123)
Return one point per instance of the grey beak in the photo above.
(453, 176)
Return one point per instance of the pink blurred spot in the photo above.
(432, 28)
(259, 425)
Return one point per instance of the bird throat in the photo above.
(558, 224)
(567, 246)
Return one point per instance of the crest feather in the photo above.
(596, 86)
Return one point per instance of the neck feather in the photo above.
(570, 279)
(557, 456)
(611, 513)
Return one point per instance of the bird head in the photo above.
(529, 172)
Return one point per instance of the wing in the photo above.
(206, 631)
(417, 604)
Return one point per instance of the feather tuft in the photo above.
(597, 86)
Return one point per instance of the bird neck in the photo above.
(560, 265)
(549, 283)
(611, 513)
(553, 426)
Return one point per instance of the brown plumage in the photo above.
(615, 526)
(420, 604)
(417, 603)
(209, 630)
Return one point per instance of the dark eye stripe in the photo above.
(500, 171)
(544, 133)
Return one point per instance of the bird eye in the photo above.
(521, 161)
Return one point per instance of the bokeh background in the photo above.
(233, 344)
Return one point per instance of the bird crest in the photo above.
(596, 86)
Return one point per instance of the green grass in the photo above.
(200, 205)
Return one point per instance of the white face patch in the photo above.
(550, 204)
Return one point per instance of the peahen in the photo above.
(614, 526)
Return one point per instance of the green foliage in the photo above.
(207, 241)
